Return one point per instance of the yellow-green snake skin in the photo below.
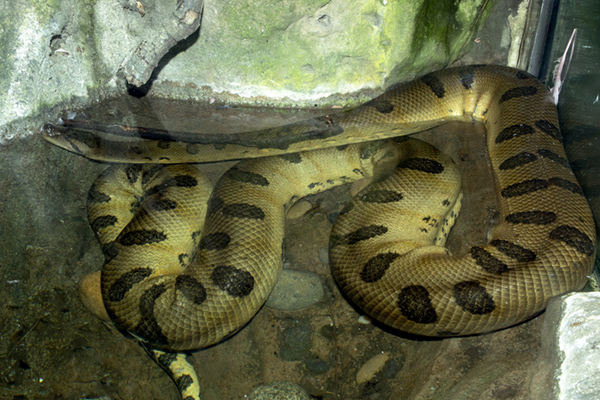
(178, 283)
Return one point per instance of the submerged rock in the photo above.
(279, 390)
(295, 290)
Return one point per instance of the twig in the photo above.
(20, 340)
(558, 70)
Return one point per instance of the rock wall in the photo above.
(68, 54)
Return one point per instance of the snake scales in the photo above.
(543, 245)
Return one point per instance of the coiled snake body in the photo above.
(220, 274)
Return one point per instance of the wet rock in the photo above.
(73, 53)
(295, 290)
(327, 331)
(569, 367)
(316, 366)
(279, 390)
(296, 342)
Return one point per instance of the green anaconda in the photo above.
(386, 248)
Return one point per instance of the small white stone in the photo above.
(324, 255)
(371, 367)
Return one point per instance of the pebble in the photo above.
(295, 290)
(279, 390)
(324, 255)
(296, 342)
(316, 366)
(371, 367)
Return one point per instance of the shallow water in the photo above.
(53, 348)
